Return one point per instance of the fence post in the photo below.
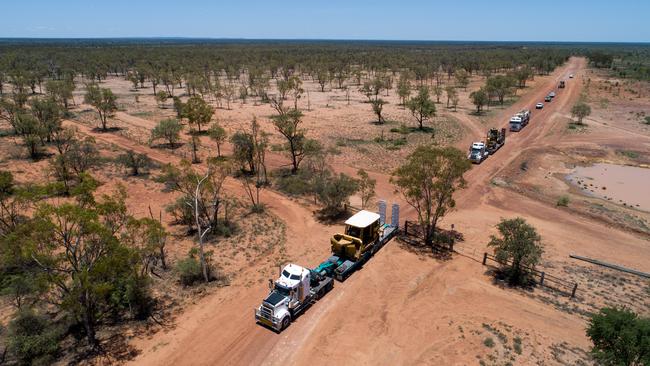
(541, 281)
(573, 293)
(484, 258)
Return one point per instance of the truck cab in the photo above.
(287, 295)
(516, 123)
(477, 153)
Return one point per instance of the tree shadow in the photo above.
(197, 133)
(327, 218)
(167, 145)
(501, 279)
(440, 249)
(107, 130)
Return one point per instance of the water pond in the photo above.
(621, 184)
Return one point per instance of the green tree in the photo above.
(184, 178)
(522, 75)
(168, 130)
(437, 90)
(198, 112)
(179, 107)
(620, 337)
(32, 133)
(451, 94)
(104, 101)
(323, 77)
(93, 275)
(33, 339)
(287, 123)
(422, 107)
(581, 110)
(519, 244)
(161, 98)
(428, 180)
(479, 99)
(403, 89)
(500, 86)
(333, 192)
(219, 135)
(135, 162)
(254, 184)
(48, 114)
(366, 187)
(462, 78)
(61, 91)
(244, 150)
(377, 108)
(203, 193)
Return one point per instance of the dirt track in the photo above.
(401, 308)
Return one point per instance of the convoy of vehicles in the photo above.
(299, 287)
(365, 233)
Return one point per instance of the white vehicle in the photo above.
(478, 153)
(551, 94)
(290, 294)
(539, 105)
(519, 120)
(571, 76)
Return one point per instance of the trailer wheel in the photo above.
(285, 322)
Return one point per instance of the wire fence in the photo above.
(541, 277)
(447, 240)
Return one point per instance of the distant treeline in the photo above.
(31, 61)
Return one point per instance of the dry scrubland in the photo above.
(405, 306)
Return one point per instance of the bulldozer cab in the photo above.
(363, 225)
(361, 232)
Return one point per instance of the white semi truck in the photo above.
(290, 294)
(478, 152)
(519, 120)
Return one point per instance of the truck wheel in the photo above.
(285, 322)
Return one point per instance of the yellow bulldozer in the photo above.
(362, 232)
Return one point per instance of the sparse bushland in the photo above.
(61, 244)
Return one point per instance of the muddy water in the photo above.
(624, 185)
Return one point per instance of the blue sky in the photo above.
(490, 20)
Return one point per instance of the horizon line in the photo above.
(312, 39)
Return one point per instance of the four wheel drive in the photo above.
(548, 98)
(539, 105)
(551, 94)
